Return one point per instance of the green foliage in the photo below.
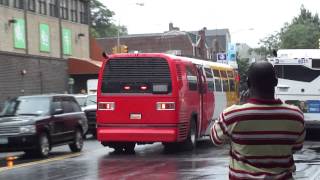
(243, 66)
(261, 51)
(300, 36)
(101, 21)
(270, 43)
(302, 33)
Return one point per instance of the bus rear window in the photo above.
(136, 75)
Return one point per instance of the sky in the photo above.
(247, 20)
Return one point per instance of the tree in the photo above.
(270, 43)
(102, 23)
(243, 66)
(302, 33)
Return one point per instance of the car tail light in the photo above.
(165, 106)
(108, 106)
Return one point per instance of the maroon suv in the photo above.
(35, 124)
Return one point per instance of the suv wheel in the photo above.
(43, 148)
(77, 144)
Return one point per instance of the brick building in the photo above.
(36, 39)
(173, 41)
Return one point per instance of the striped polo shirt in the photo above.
(263, 135)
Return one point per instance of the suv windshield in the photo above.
(33, 106)
(91, 100)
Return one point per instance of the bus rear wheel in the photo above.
(191, 141)
(127, 147)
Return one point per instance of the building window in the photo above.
(32, 5)
(64, 9)
(83, 12)
(43, 7)
(73, 10)
(4, 2)
(19, 4)
(53, 8)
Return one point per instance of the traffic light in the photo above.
(114, 50)
(125, 48)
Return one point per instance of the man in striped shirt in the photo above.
(263, 133)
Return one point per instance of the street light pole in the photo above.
(119, 27)
(118, 40)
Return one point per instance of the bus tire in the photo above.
(191, 142)
(171, 147)
(129, 147)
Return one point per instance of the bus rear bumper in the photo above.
(107, 134)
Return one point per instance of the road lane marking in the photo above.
(40, 161)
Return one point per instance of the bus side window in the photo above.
(210, 80)
(232, 85)
(225, 85)
(192, 79)
(230, 74)
(217, 80)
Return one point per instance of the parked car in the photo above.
(35, 124)
(81, 99)
(90, 108)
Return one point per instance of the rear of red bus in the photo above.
(137, 100)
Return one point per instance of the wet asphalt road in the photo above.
(148, 162)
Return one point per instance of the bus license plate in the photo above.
(135, 116)
(3, 140)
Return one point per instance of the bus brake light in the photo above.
(127, 88)
(108, 106)
(165, 106)
(143, 87)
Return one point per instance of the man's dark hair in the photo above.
(262, 77)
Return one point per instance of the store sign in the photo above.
(44, 37)
(66, 41)
(232, 52)
(222, 58)
(19, 35)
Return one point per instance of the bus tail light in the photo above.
(108, 106)
(127, 87)
(166, 106)
(143, 87)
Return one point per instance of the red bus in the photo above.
(146, 98)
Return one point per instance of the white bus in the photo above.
(299, 84)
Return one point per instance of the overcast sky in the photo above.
(264, 16)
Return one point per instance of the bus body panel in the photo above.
(135, 117)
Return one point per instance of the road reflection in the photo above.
(165, 165)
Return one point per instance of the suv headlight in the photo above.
(30, 129)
